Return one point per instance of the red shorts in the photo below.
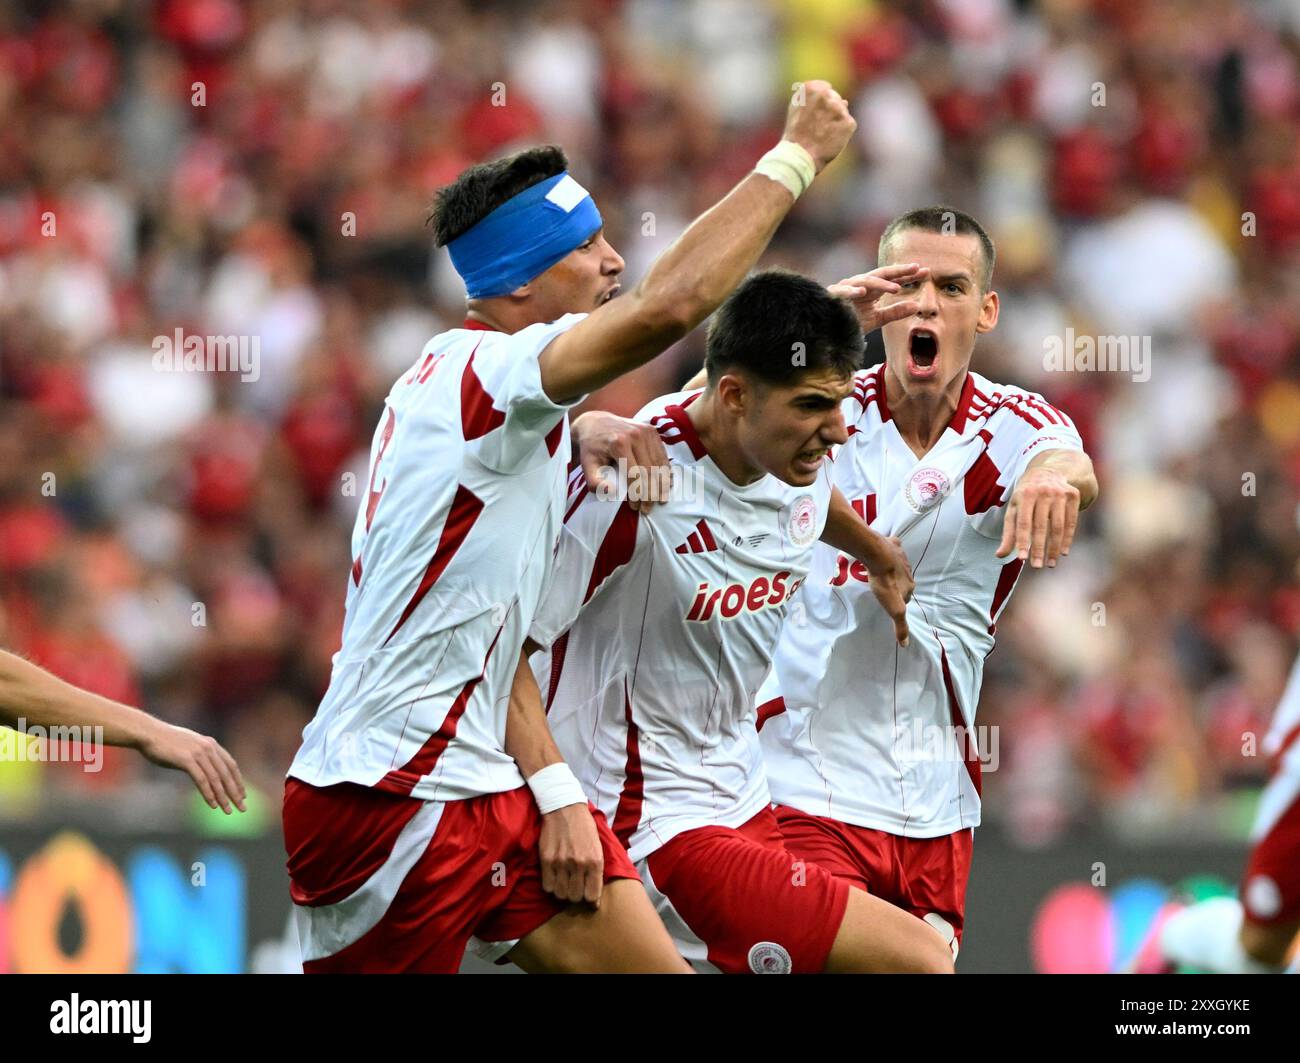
(924, 876)
(734, 897)
(386, 883)
(1270, 888)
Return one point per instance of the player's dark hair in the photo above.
(946, 221)
(779, 324)
(482, 188)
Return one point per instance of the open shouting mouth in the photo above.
(922, 353)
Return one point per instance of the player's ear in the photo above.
(988, 313)
(734, 393)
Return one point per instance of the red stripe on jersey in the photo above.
(678, 416)
(881, 401)
(694, 544)
(402, 780)
(710, 543)
(1042, 407)
(356, 571)
(1275, 761)
(553, 437)
(478, 416)
(573, 506)
(464, 511)
(973, 767)
(963, 411)
(769, 709)
(1014, 406)
(558, 651)
(981, 485)
(627, 815)
(373, 497)
(1006, 581)
(477, 326)
(982, 405)
(372, 819)
(615, 550)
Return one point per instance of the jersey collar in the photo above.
(960, 415)
(677, 414)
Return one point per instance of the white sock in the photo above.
(1207, 936)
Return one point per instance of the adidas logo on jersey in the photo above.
(700, 541)
(736, 598)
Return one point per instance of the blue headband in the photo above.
(524, 237)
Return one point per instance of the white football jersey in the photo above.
(660, 628)
(452, 547)
(855, 727)
(1282, 747)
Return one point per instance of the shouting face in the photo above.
(930, 351)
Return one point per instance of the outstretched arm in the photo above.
(701, 268)
(36, 698)
(1043, 511)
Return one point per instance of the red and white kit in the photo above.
(660, 628)
(452, 548)
(862, 737)
(1270, 888)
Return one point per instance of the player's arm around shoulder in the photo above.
(1043, 511)
(633, 452)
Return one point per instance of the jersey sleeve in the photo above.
(1027, 426)
(599, 538)
(506, 415)
(1045, 428)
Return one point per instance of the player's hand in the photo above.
(1041, 517)
(605, 440)
(892, 584)
(213, 770)
(818, 119)
(573, 862)
(863, 292)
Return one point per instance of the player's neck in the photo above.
(501, 315)
(717, 433)
(921, 418)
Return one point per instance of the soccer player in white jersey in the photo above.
(1255, 934)
(660, 628)
(869, 745)
(408, 823)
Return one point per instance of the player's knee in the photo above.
(934, 957)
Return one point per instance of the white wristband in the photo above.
(554, 787)
(788, 164)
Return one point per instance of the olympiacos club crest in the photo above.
(926, 488)
(803, 520)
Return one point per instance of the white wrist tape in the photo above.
(788, 164)
(554, 787)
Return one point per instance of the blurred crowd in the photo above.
(180, 540)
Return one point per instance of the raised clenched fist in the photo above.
(819, 121)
